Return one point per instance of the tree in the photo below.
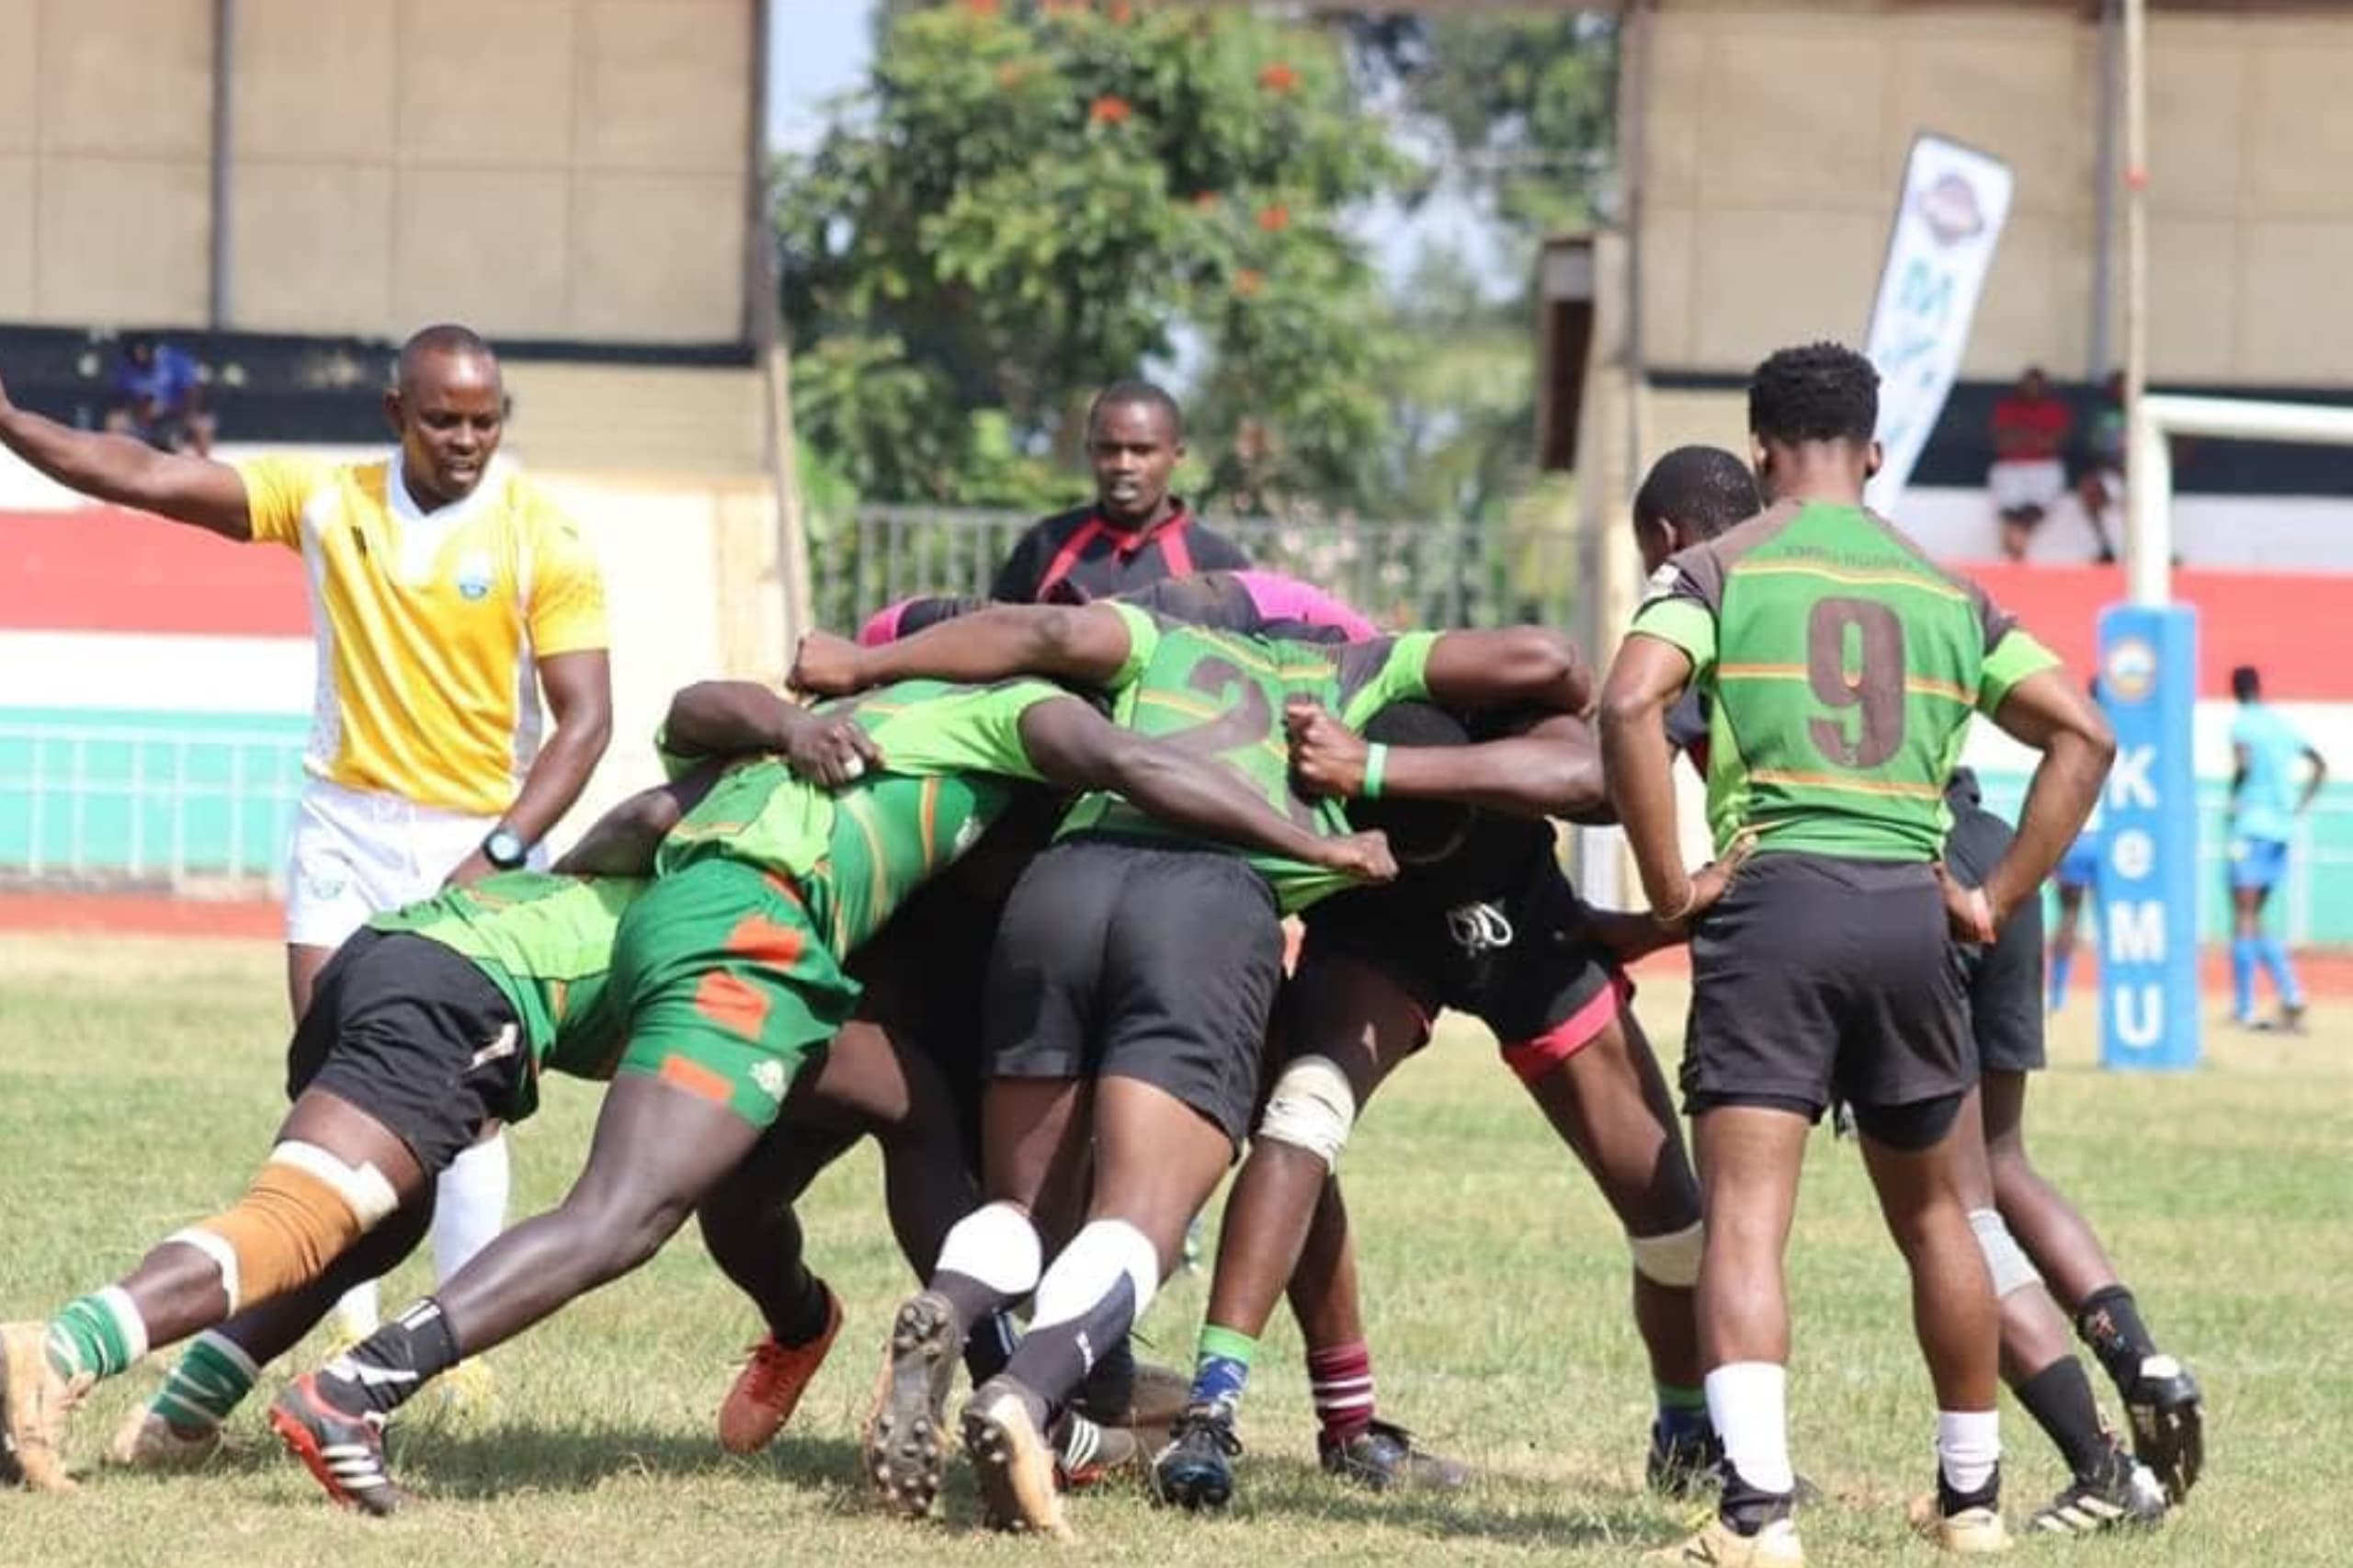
(1029, 200)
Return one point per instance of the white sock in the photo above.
(1086, 1272)
(997, 1245)
(470, 1205)
(1748, 1403)
(1969, 1445)
(358, 1313)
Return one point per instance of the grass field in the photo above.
(138, 1082)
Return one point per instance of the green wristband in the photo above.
(1376, 759)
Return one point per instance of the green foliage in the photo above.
(1029, 200)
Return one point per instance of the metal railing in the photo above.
(145, 803)
(1402, 574)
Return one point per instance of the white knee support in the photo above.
(2004, 1259)
(1311, 1109)
(1673, 1259)
(362, 1187)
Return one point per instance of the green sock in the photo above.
(207, 1385)
(1681, 1410)
(101, 1333)
(1221, 1369)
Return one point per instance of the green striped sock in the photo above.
(101, 1333)
(209, 1381)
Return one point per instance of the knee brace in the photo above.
(1311, 1109)
(303, 1211)
(1673, 1259)
(2004, 1259)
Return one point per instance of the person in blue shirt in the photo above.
(157, 393)
(2265, 801)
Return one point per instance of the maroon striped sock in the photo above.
(1342, 1377)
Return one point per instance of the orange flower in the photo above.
(1273, 219)
(1248, 281)
(1206, 201)
(1278, 79)
(1120, 12)
(984, 7)
(1110, 110)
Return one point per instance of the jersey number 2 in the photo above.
(1249, 723)
(1870, 683)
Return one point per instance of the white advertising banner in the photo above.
(1950, 218)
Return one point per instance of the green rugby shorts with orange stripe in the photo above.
(729, 990)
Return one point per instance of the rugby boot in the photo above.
(146, 1441)
(1718, 1545)
(2164, 1407)
(1012, 1462)
(1196, 1470)
(1385, 1458)
(769, 1387)
(1087, 1454)
(1684, 1463)
(35, 1401)
(2121, 1495)
(906, 1436)
(342, 1450)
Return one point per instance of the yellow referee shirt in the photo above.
(429, 623)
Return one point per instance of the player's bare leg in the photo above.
(334, 1174)
(1917, 1168)
(1034, 1135)
(657, 1150)
(2065, 940)
(1349, 1027)
(2162, 1400)
(1609, 1102)
(1156, 1161)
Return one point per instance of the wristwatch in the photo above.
(504, 849)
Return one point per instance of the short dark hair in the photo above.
(1822, 392)
(1416, 829)
(2246, 684)
(1133, 392)
(1701, 490)
(442, 337)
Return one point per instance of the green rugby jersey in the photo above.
(1223, 693)
(1841, 667)
(546, 942)
(952, 762)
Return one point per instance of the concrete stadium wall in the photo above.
(1774, 137)
(392, 162)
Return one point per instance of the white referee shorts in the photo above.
(356, 853)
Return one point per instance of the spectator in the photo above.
(2101, 489)
(157, 394)
(2031, 428)
(1136, 533)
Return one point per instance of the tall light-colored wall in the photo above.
(1776, 135)
(540, 168)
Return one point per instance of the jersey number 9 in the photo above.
(1855, 661)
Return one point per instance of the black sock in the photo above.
(989, 1347)
(1110, 1387)
(802, 1318)
(969, 1300)
(1053, 1359)
(2059, 1399)
(1746, 1509)
(385, 1369)
(1949, 1502)
(2111, 1324)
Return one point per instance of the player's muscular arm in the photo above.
(1073, 745)
(1645, 681)
(1084, 643)
(2312, 784)
(2050, 712)
(1551, 769)
(126, 472)
(579, 689)
(730, 718)
(621, 843)
(1517, 666)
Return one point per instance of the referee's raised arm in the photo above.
(129, 472)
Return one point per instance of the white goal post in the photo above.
(2148, 483)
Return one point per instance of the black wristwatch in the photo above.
(504, 849)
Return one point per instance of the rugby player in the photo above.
(446, 592)
(1134, 971)
(728, 974)
(2266, 750)
(1842, 668)
(2003, 981)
